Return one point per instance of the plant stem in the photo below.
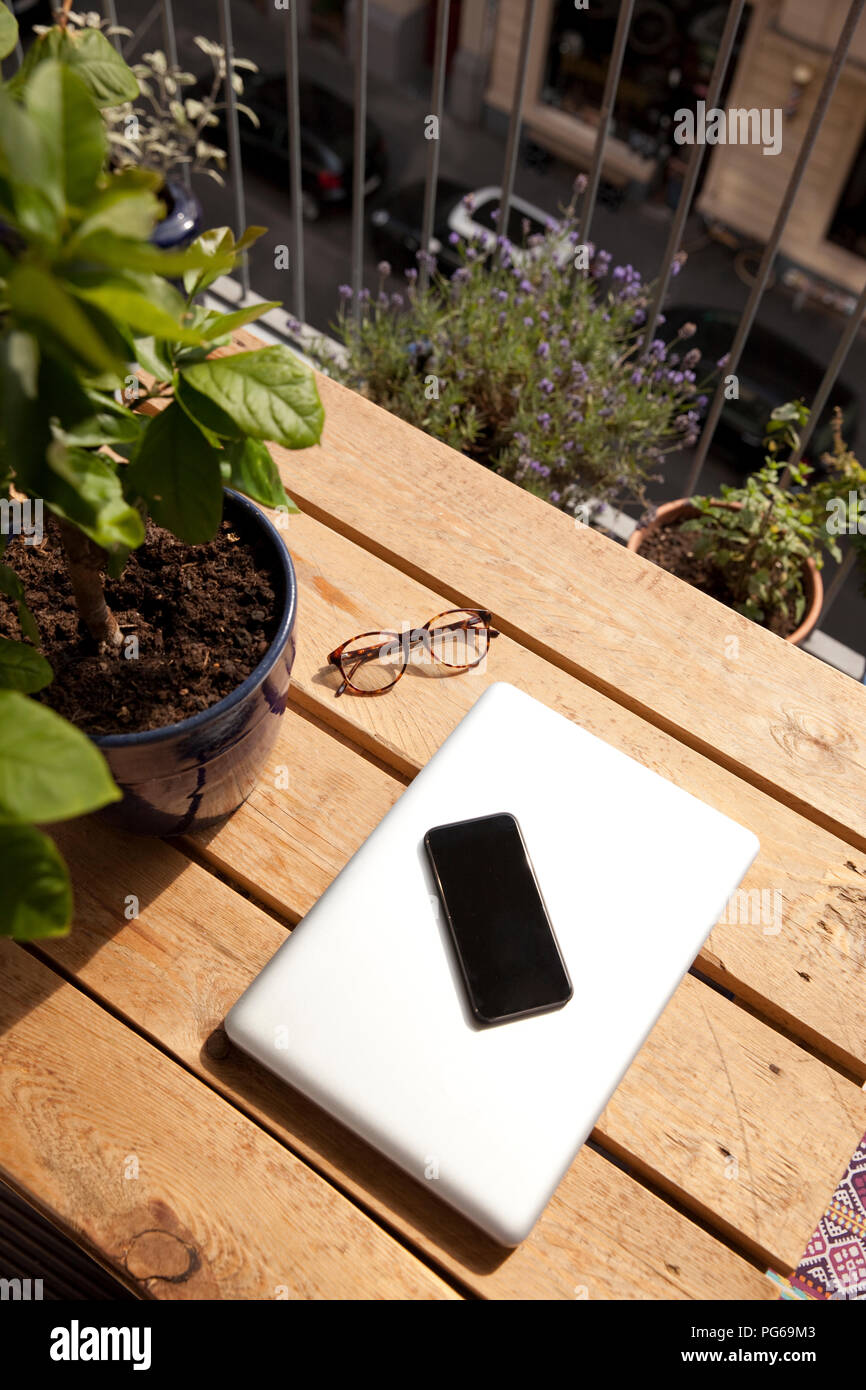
(63, 17)
(83, 560)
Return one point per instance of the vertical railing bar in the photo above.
(169, 38)
(614, 68)
(111, 16)
(294, 137)
(358, 173)
(169, 32)
(235, 137)
(744, 328)
(827, 383)
(834, 588)
(693, 169)
(437, 100)
(132, 42)
(516, 121)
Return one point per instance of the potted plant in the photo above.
(760, 547)
(531, 360)
(165, 126)
(166, 599)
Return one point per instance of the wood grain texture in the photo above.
(711, 1081)
(773, 714)
(795, 949)
(172, 1186)
(175, 970)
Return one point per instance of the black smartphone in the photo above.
(508, 954)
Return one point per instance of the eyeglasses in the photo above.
(374, 661)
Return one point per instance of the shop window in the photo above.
(848, 227)
(668, 63)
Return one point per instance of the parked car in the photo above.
(396, 224)
(327, 142)
(772, 370)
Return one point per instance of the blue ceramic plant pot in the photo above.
(191, 775)
(182, 222)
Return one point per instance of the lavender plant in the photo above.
(530, 360)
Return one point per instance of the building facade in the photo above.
(781, 54)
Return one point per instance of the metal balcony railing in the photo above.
(614, 70)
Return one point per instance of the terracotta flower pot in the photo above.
(671, 513)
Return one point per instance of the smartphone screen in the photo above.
(503, 937)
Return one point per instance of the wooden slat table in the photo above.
(191, 1173)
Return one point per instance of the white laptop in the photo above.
(364, 1008)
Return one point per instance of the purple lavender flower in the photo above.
(384, 269)
(543, 349)
(543, 418)
(688, 330)
(546, 385)
(345, 291)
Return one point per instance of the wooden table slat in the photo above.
(176, 969)
(175, 1188)
(775, 715)
(800, 957)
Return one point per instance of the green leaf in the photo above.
(215, 325)
(252, 471)
(127, 253)
(153, 358)
(121, 300)
(11, 585)
(37, 896)
(124, 209)
(177, 473)
(270, 393)
(8, 32)
(27, 165)
(22, 668)
(98, 62)
(214, 424)
(84, 487)
(104, 427)
(24, 427)
(41, 303)
(72, 130)
(220, 252)
(49, 770)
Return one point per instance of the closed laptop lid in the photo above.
(363, 1009)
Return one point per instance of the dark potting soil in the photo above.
(203, 616)
(673, 550)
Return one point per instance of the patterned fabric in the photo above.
(833, 1265)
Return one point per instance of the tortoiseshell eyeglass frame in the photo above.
(476, 617)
